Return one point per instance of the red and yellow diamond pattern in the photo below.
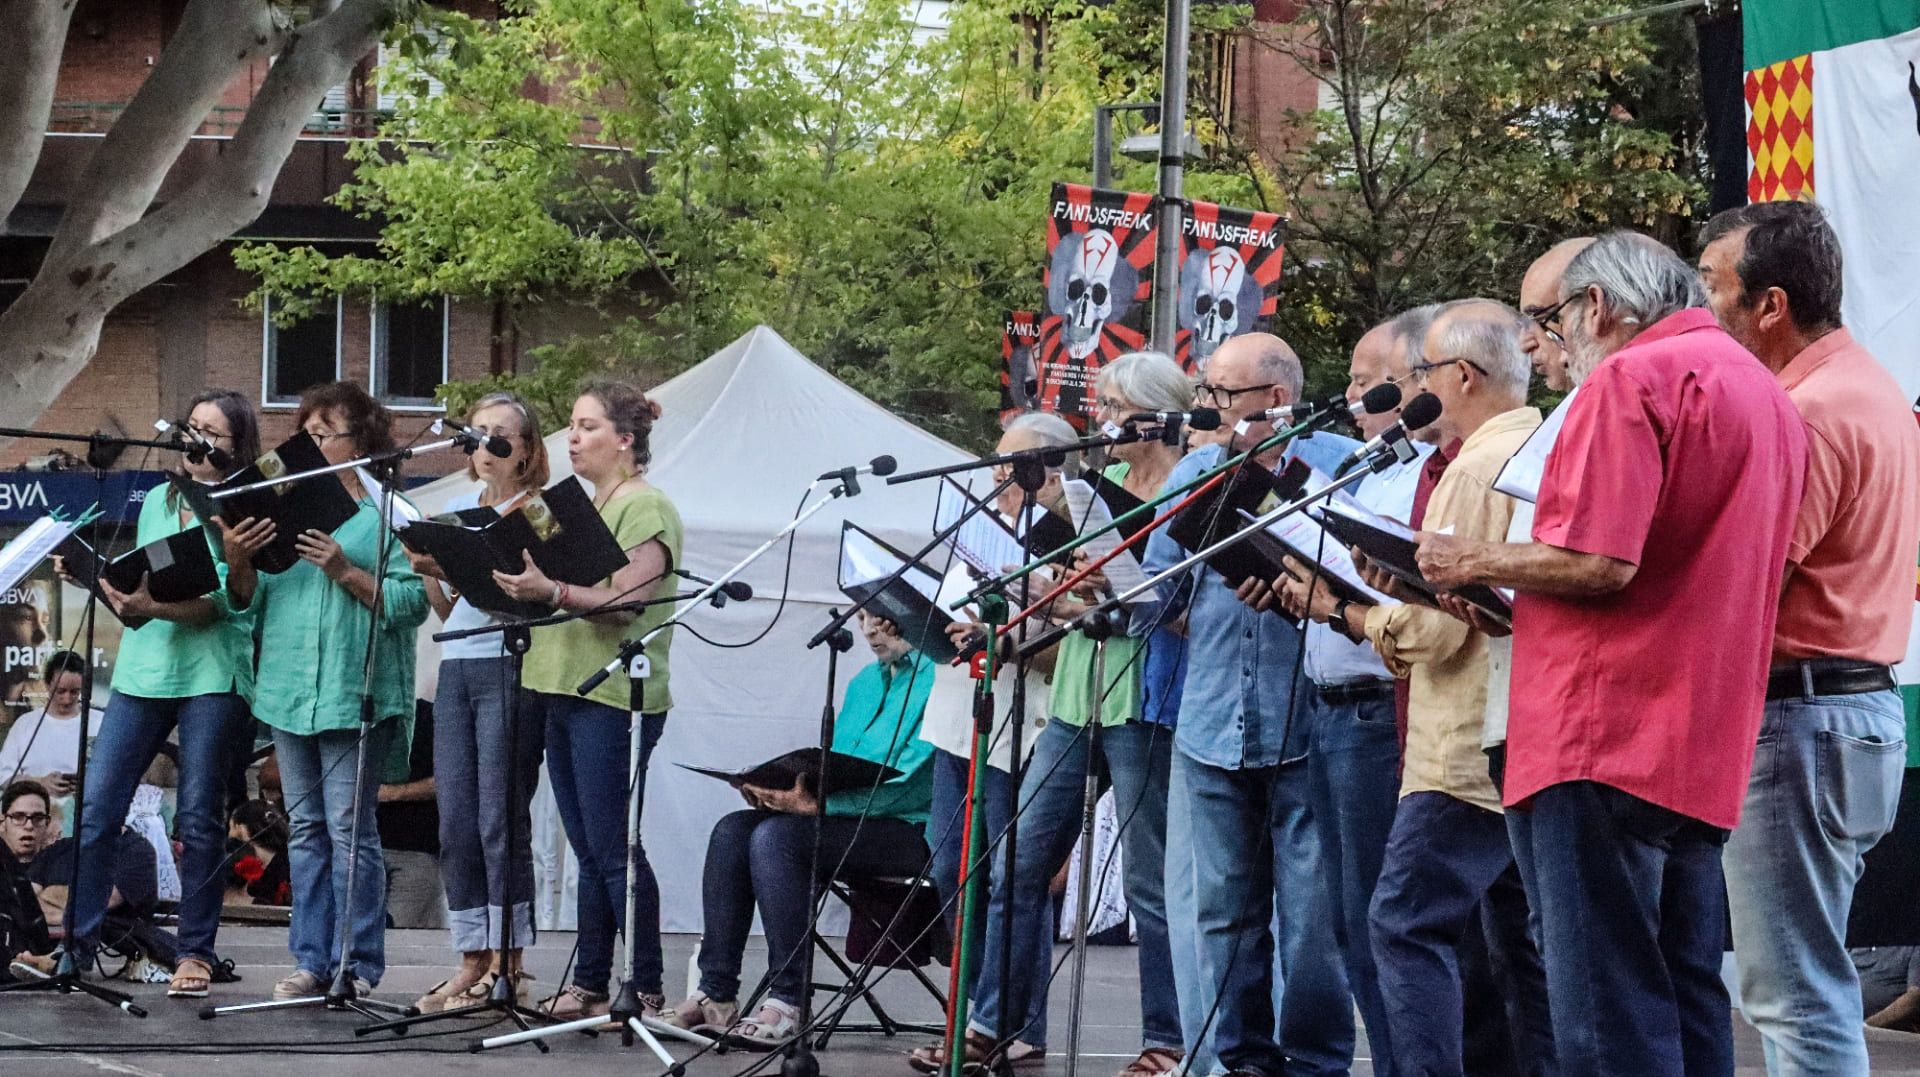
(1780, 130)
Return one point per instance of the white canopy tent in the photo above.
(741, 437)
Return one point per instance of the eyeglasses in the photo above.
(321, 437)
(1219, 396)
(1109, 404)
(1546, 317)
(210, 435)
(1420, 371)
(20, 818)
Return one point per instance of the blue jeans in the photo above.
(946, 828)
(213, 729)
(1136, 757)
(1183, 933)
(471, 757)
(587, 764)
(1353, 771)
(1447, 862)
(317, 778)
(1256, 854)
(761, 858)
(1826, 784)
(1632, 910)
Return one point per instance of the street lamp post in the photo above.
(1173, 129)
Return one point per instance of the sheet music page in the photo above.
(31, 547)
(1354, 510)
(1305, 534)
(1088, 513)
(984, 541)
(1520, 476)
(401, 511)
(864, 560)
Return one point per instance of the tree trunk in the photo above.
(112, 242)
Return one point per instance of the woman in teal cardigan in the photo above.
(312, 638)
(189, 667)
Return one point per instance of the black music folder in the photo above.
(1330, 562)
(319, 503)
(558, 526)
(844, 772)
(1391, 546)
(178, 568)
(909, 601)
(1216, 514)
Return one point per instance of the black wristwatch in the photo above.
(1340, 622)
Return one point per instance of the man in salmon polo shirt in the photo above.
(1826, 777)
(1643, 630)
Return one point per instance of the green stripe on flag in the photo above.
(1777, 30)
(1911, 693)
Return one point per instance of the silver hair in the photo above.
(1411, 327)
(1641, 279)
(1150, 380)
(1274, 362)
(1050, 430)
(1488, 332)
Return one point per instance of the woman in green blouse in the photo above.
(190, 667)
(313, 631)
(587, 735)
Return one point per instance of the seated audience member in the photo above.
(760, 855)
(128, 927)
(409, 821)
(1889, 986)
(24, 815)
(44, 745)
(259, 833)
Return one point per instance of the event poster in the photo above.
(1099, 284)
(1019, 339)
(1229, 277)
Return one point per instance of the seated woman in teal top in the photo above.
(190, 667)
(313, 636)
(761, 855)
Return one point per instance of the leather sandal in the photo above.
(192, 978)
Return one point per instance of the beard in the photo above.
(1583, 354)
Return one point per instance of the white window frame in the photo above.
(267, 348)
(377, 360)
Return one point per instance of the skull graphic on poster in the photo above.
(1218, 298)
(1089, 285)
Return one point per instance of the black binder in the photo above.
(1399, 556)
(844, 772)
(178, 568)
(921, 621)
(319, 503)
(1274, 549)
(1216, 514)
(559, 526)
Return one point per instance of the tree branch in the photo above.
(234, 191)
(216, 38)
(26, 89)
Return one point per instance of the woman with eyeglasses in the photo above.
(609, 445)
(483, 875)
(313, 621)
(189, 667)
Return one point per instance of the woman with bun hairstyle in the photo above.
(586, 736)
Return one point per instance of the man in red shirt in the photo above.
(1643, 626)
(1826, 777)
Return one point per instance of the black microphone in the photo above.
(474, 439)
(1423, 410)
(1378, 400)
(1197, 419)
(849, 477)
(196, 446)
(737, 590)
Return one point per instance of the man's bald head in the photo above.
(1257, 359)
(1375, 361)
(1539, 292)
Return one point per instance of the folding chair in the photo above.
(918, 937)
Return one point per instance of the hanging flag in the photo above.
(1099, 286)
(1019, 340)
(1833, 114)
(1229, 277)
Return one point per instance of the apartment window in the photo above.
(409, 352)
(299, 356)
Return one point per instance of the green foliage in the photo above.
(878, 195)
(1464, 138)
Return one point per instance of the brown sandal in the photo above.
(1153, 1062)
(192, 978)
(932, 1058)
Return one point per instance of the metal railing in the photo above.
(98, 116)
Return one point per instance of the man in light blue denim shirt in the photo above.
(1239, 776)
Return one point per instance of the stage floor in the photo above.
(96, 1039)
